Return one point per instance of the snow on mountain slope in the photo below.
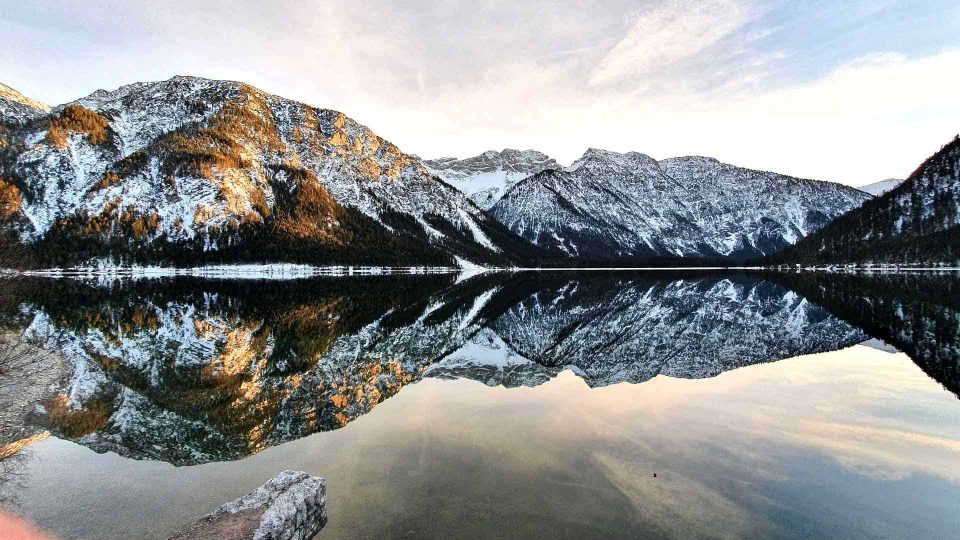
(17, 109)
(193, 379)
(879, 188)
(611, 204)
(487, 359)
(191, 160)
(760, 212)
(195, 372)
(485, 178)
(605, 204)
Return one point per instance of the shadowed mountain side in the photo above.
(917, 222)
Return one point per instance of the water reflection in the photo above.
(191, 371)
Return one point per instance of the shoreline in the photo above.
(291, 271)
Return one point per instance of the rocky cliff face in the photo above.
(609, 204)
(487, 177)
(211, 166)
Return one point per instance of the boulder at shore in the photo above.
(290, 506)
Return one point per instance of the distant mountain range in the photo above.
(193, 171)
(487, 177)
(879, 188)
(611, 204)
(917, 221)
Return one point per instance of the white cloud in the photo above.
(667, 34)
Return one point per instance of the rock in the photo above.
(290, 506)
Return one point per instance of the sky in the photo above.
(850, 91)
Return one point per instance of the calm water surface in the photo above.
(571, 405)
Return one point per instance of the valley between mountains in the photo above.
(193, 171)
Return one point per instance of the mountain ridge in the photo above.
(879, 188)
(192, 167)
(685, 206)
(918, 221)
(193, 170)
(486, 177)
(16, 109)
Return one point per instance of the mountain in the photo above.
(609, 204)
(485, 178)
(916, 222)
(189, 371)
(879, 188)
(17, 109)
(162, 373)
(191, 169)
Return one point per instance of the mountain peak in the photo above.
(11, 94)
(609, 204)
(17, 109)
(487, 177)
(599, 158)
(879, 188)
(201, 163)
(706, 160)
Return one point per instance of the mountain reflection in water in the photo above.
(191, 371)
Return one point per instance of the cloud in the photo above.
(668, 34)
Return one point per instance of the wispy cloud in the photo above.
(667, 34)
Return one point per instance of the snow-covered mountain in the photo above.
(759, 212)
(17, 109)
(610, 204)
(221, 373)
(214, 166)
(879, 188)
(487, 177)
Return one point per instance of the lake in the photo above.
(564, 404)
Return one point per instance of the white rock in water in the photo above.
(290, 506)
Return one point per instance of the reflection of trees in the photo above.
(24, 368)
(12, 477)
(919, 313)
(21, 366)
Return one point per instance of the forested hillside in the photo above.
(915, 223)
